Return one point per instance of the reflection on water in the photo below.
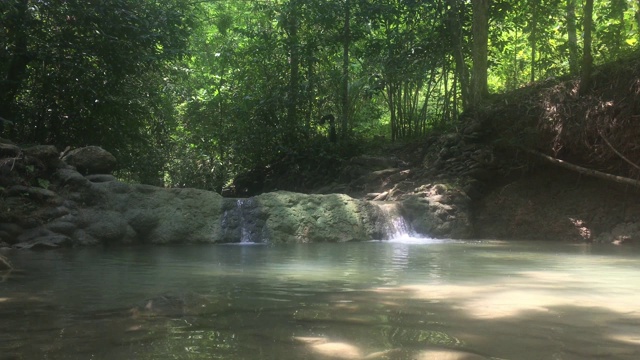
(414, 299)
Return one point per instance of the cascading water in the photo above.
(395, 224)
(397, 228)
(237, 224)
(245, 235)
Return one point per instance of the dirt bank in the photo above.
(556, 204)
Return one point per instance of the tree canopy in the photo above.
(191, 93)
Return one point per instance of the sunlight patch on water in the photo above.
(531, 291)
(244, 243)
(627, 338)
(447, 355)
(414, 240)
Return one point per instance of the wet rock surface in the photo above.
(447, 186)
(58, 206)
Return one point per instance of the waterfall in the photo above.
(237, 223)
(395, 225)
(246, 236)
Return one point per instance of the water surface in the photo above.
(410, 299)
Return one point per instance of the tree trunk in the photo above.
(311, 89)
(462, 70)
(533, 38)
(638, 15)
(346, 43)
(573, 37)
(480, 29)
(617, 13)
(587, 59)
(294, 77)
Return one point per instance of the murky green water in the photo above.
(438, 300)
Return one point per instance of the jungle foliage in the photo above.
(193, 93)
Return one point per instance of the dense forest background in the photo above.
(193, 93)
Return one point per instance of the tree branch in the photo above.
(582, 170)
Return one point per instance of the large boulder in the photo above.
(442, 213)
(91, 160)
(294, 217)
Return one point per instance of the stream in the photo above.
(405, 299)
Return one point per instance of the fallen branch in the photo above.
(590, 172)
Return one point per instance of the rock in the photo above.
(9, 150)
(11, 229)
(105, 225)
(61, 227)
(381, 196)
(430, 216)
(175, 305)
(143, 222)
(91, 160)
(293, 217)
(80, 237)
(35, 193)
(47, 154)
(100, 178)
(45, 242)
(70, 177)
(623, 233)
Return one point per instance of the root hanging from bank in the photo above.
(5, 264)
(586, 171)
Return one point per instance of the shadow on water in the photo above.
(337, 301)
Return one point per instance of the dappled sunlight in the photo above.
(633, 338)
(449, 301)
(538, 291)
(583, 230)
(335, 350)
(446, 355)
(510, 303)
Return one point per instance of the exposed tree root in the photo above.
(4, 263)
(617, 152)
(583, 170)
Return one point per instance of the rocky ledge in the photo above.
(51, 199)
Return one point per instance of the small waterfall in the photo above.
(395, 225)
(237, 223)
(245, 235)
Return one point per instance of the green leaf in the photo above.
(43, 183)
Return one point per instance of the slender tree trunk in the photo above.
(445, 96)
(346, 43)
(587, 59)
(310, 89)
(454, 99)
(392, 110)
(573, 37)
(480, 29)
(533, 38)
(294, 78)
(638, 14)
(617, 12)
(462, 70)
